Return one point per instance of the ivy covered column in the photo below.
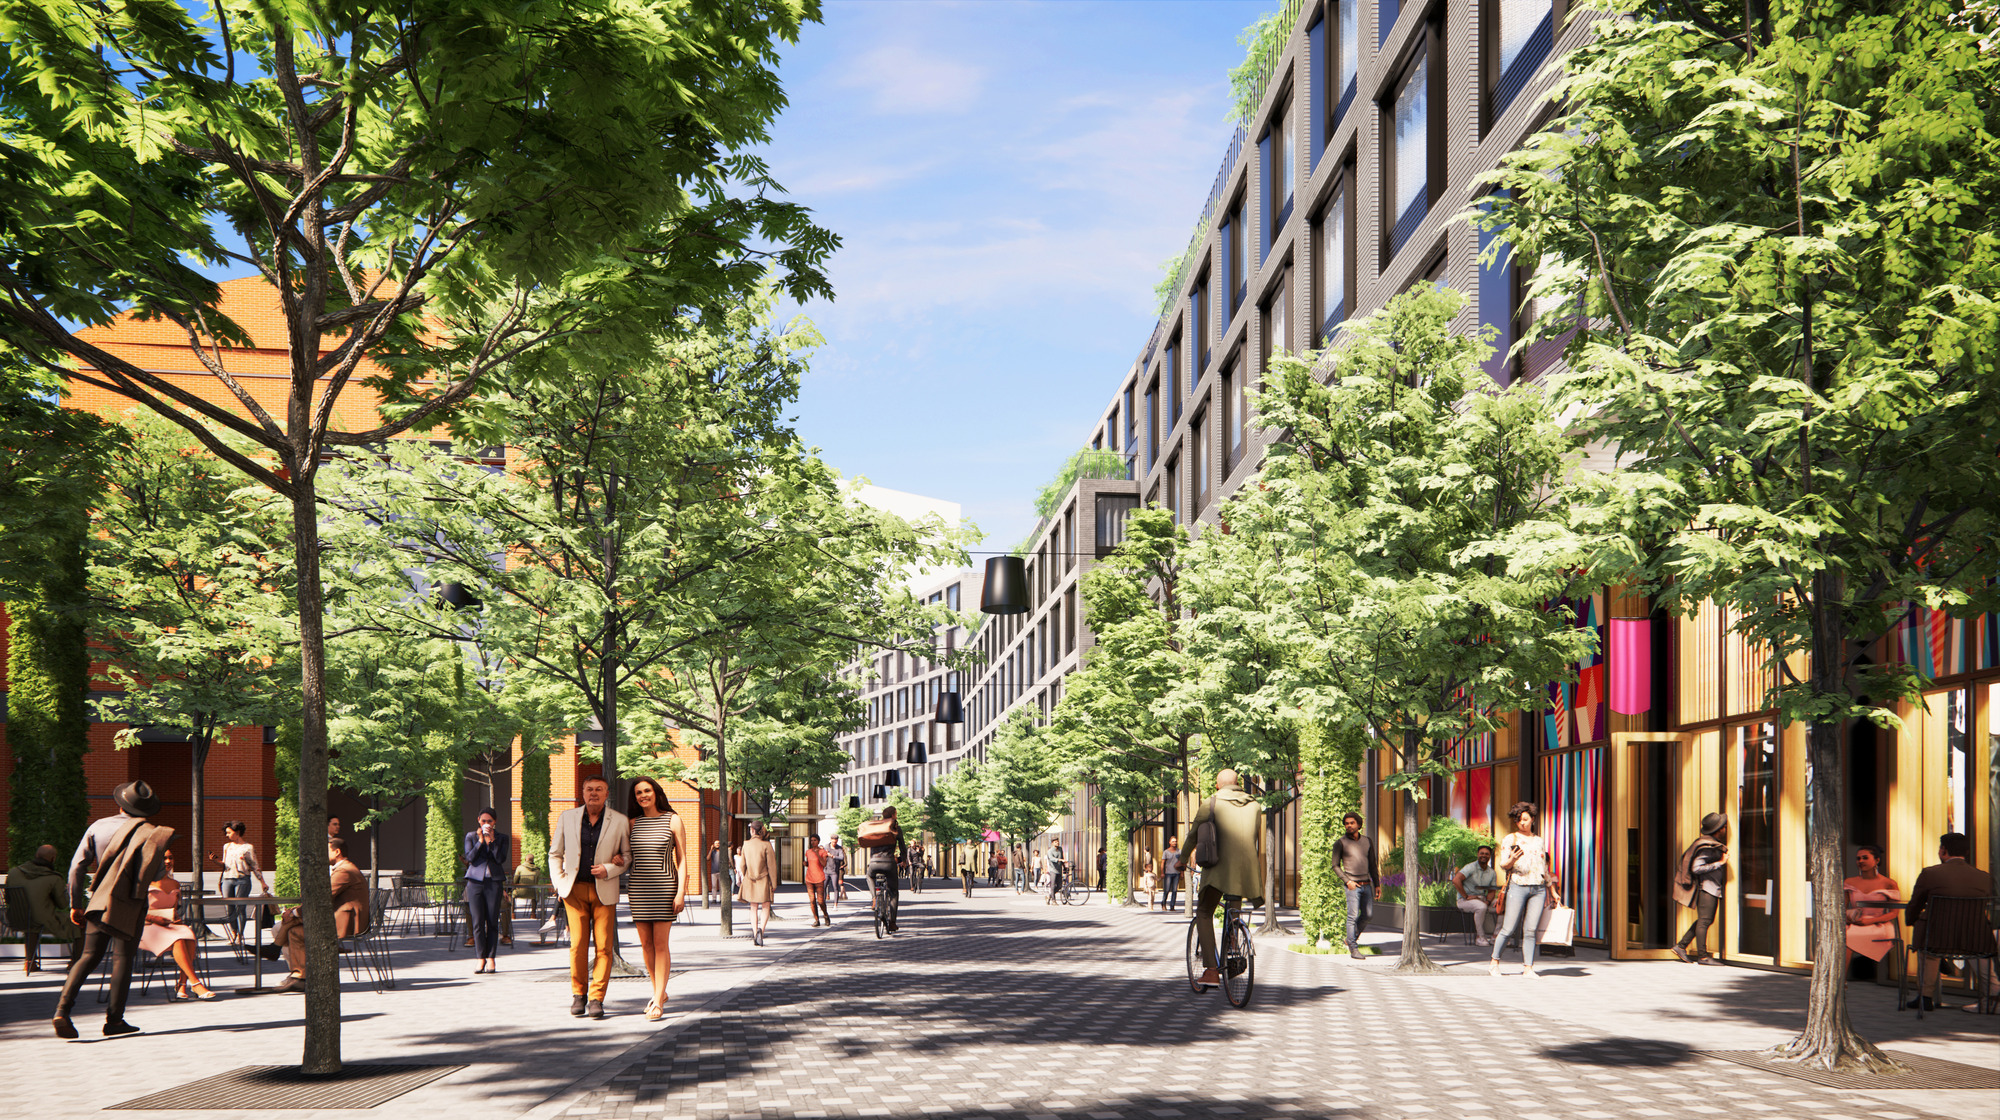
(1330, 764)
(48, 721)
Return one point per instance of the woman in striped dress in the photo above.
(653, 885)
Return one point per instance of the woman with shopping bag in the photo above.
(1531, 887)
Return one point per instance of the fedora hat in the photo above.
(136, 798)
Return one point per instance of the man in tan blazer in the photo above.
(585, 861)
(1239, 828)
(350, 915)
(1952, 876)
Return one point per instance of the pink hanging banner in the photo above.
(1631, 665)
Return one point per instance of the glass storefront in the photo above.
(1755, 769)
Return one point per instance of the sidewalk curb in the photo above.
(600, 1077)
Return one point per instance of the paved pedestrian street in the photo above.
(1007, 1008)
(1000, 1006)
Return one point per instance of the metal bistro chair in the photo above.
(1955, 929)
(368, 953)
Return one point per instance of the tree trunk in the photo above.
(1829, 1041)
(727, 918)
(322, 1018)
(1413, 958)
(198, 745)
(1271, 923)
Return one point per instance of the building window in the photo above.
(1333, 264)
(951, 600)
(1128, 422)
(1198, 435)
(1234, 402)
(1152, 424)
(1173, 487)
(1408, 192)
(1237, 236)
(1198, 329)
(1386, 12)
(1172, 377)
(1280, 151)
(1520, 35)
(1497, 301)
(1347, 56)
(1278, 320)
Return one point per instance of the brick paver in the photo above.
(1004, 1009)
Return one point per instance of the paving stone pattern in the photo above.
(1011, 1011)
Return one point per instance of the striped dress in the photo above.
(652, 883)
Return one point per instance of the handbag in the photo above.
(1558, 926)
(1207, 840)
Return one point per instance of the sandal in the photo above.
(201, 992)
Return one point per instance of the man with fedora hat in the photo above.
(126, 851)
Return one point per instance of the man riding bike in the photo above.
(1239, 866)
(882, 862)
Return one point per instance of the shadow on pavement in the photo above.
(1622, 1052)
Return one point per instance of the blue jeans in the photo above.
(1173, 891)
(1360, 908)
(1524, 900)
(237, 886)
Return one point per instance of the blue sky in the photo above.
(1006, 178)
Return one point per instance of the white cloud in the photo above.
(907, 80)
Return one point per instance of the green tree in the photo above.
(195, 600)
(1406, 525)
(52, 463)
(433, 190)
(1024, 783)
(1776, 244)
(1113, 722)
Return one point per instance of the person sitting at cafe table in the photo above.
(1478, 886)
(350, 915)
(1952, 876)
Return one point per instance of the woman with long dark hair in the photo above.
(1531, 885)
(486, 852)
(654, 887)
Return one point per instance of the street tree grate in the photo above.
(358, 1085)
(1923, 1072)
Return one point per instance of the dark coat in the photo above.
(1953, 879)
(1684, 884)
(135, 857)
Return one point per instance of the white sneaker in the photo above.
(1482, 941)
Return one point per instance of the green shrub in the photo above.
(1442, 848)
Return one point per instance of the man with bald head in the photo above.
(1239, 860)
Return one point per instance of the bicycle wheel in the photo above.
(878, 921)
(1239, 963)
(1194, 965)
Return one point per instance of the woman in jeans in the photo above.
(239, 866)
(1531, 879)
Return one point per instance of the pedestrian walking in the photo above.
(816, 865)
(487, 853)
(717, 879)
(122, 854)
(38, 906)
(1239, 866)
(838, 859)
(1170, 871)
(655, 890)
(1698, 879)
(760, 874)
(1531, 886)
(589, 855)
(239, 870)
(1354, 859)
(1146, 883)
(165, 935)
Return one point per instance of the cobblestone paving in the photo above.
(997, 1009)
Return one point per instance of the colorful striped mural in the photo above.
(1938, 645)
(1474, 751)
(1576, 712)
(1573, 819)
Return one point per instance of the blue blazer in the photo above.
(486, 862)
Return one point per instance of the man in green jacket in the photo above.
(38, 904)
(1239, 867)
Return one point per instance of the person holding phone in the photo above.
(1531, 885)
(486, 858)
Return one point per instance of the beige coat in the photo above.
(760, 870)
(1239, 822)
(568, 862)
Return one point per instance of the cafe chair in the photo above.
(1955, 929)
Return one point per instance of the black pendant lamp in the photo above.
(1006, 590)
(893, 778)
(455, 596)
(854, 801)
(918, 753)
(881, 793)
(949, 709)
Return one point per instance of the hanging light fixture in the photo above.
(854, 801)
(881, 793)
(918, 754)
(1006, 590)
(893, 778)
(950, 709)
(455, 596)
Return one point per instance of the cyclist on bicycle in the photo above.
(882, 863)
(1239, 866)
(1058, 867)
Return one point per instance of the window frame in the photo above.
(1204, 470)
(1344, 201)
(1426, 51)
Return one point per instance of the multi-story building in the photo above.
(1348, 183)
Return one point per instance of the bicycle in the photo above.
(879, 901)
(1238, 967)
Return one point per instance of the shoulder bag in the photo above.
(1207, 840)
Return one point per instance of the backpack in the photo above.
(1207, 840)
(878, 833)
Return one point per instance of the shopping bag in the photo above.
(1558, 926)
